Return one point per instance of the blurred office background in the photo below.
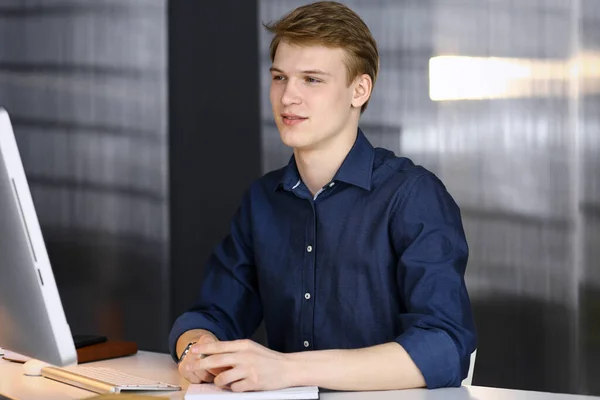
(142, 121)
(85, 85)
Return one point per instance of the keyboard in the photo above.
(103, 380)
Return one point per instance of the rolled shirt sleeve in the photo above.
(438, 328)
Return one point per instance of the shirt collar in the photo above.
(356, 169)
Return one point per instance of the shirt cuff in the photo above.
(435, 354)
(188, 321)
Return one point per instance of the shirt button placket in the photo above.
(307, 307)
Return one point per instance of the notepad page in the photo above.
(209, 391)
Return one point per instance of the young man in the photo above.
(355, 258)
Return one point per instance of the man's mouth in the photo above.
(292, 119)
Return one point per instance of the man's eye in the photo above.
(278, 78)
(310, 79)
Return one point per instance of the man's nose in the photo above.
(290, 94)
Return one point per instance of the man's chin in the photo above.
(295, 140)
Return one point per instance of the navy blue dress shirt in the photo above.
(377, 256)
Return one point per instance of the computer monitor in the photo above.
(32, 319)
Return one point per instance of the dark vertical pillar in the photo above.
(214, 129)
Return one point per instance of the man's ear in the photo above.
(363, 86)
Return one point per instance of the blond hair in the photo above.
(330, 24)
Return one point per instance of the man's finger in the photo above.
(204, 376)
(220, 347)
(202, 341)
(206, 339)
(230, 376)
(217, 361)
(197, 374)
(208, 348)
(188, 374)
(243, 385)
(217, 371)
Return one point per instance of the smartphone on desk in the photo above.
(87, 340)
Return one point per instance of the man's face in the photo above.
(310, 96)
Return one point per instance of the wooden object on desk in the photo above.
(106, 350)
(95, 352)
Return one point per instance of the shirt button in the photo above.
(309, 248)
(306, 344)
(307, 296)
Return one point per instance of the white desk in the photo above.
(160, 366)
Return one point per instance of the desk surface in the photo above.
(160, 366)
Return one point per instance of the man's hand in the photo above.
(242, 365)
(187, 367)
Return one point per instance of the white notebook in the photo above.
(209, 391)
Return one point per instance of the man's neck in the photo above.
(318, 166)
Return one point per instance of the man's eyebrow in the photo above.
(308, 72)
(315, 72)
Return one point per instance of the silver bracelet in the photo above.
(185, 351)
